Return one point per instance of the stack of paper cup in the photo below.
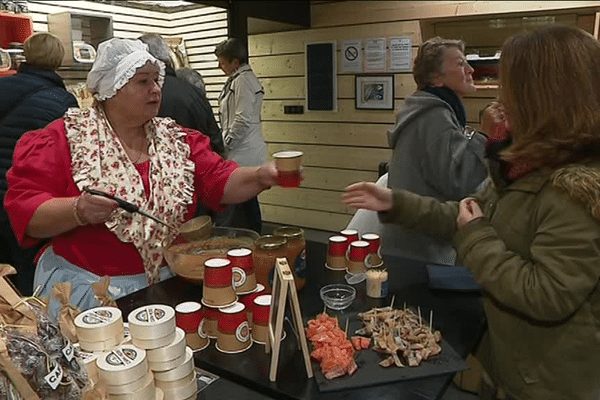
(180, 382)
(99, 329)
(152, 326)
(126, 374)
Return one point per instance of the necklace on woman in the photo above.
(138, 158)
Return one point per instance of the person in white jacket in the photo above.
(240, 105)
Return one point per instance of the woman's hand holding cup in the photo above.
(289, 168)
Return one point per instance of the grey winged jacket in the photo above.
(432, 157)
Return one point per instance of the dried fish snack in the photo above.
(400, 333)
(45, 376)
(60, 349)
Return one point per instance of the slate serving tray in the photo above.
(370, 373)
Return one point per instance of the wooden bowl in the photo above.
(187, 259)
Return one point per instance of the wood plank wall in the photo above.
(201, 27)
(347, 146)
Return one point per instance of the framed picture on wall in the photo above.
(375, 92)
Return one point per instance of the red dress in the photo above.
(42, 171)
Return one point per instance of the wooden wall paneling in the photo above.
(342, 157)
(294, 41)
(345, 13)
(305, 198)
(325, 221)
(118, 13)
(201, 28)
(473, 106)
(491, 32)
(335, 179)
(587, 22)
(327, 133)
(273, 110)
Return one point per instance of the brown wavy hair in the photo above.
(550, 86)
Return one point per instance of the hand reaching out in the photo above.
(369, 196)
(494, 121)
(467, 212)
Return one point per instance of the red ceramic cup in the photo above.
(188, 316)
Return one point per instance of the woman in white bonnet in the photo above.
(121, 147)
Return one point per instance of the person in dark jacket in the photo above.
(30, 100)
(181, 100)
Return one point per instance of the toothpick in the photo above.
(324, 308)
(431, 321)
(405, 306)
(420, 320)
(392, 303)
(346, 330)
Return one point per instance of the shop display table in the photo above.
(458, 315)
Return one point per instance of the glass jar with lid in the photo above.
(296, 252)
(267, 249)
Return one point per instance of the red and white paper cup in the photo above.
(262, 307)
(209, 325)
(233, 334)
(248, 301)
(189, 317)
(357, 257)
(336, 252)
(217, 287)
(242, 267)
(374, 241)
(351, 234)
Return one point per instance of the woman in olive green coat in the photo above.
(532, 235)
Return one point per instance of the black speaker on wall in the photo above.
(321, 77)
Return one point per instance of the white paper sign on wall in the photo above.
(352, 55)
(400, 54)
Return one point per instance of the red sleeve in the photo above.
(212, 172)
(40, 172)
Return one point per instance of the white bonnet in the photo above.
(115, 65)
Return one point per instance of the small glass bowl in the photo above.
(337, 296)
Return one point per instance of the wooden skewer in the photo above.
(324, 308)
(392, 303)
(404, 306)
(346, 330)
(431, 321)
(420, 320)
